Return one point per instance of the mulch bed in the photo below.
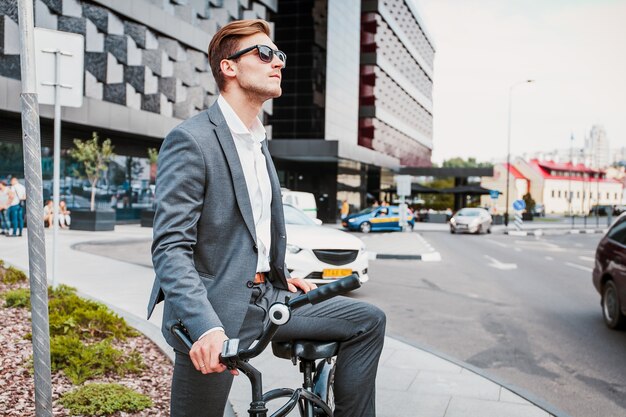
(17, 397)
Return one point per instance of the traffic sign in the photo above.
(519, 204)
(494, 194)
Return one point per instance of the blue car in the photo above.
(377, 218)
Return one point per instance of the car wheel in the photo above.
(479, 231)
(611, 309)
(489, 230)
(452, 230)
(365, 227)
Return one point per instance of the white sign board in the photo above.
(70, 49)
(403, 185)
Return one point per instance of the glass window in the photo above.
(618, 232)
(296, 216)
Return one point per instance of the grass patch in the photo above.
(11, 275)
(104, 399)
(19, 297)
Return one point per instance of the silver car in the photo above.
(471, 220)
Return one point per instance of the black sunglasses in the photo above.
(266, 54)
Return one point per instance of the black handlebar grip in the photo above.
(182, 335)
(338, 287)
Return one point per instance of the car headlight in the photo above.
(351, 220)
(293, 248)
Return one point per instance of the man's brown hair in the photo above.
(226, 41)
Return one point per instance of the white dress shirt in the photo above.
(248, 144)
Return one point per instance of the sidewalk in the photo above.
(411, 381)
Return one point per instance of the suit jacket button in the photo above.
(255, 249)
(249, 284)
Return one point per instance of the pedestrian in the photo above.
(220, 240)
(65, 220)
(345, 209)
(48, 214)
(17, 197)
(4, 205)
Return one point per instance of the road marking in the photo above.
(500, 265)
(495, 242)
(581, 267)
(587, 258)
(549, 258)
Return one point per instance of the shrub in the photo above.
(71, 314)
(17, 298)
(104, 399)
(13, 275)
(80, 362)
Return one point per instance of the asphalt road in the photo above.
(523, 309)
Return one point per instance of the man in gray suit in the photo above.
(219, 240)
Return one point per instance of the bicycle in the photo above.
(315, 398)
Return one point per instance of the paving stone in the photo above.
(468, 385)
(472, 407)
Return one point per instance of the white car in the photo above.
(471, 220)
(321, 254)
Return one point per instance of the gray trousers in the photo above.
(359, 326)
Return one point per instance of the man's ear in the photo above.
(228, 68)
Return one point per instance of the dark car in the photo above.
(609, 274)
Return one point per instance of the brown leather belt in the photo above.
(259, 278)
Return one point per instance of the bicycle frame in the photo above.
(280, 314)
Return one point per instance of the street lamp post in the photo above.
(508, 149)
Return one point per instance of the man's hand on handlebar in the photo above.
(295, 283)
(205, 353)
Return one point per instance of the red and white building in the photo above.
(551, 184)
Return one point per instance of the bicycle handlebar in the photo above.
(341, 286)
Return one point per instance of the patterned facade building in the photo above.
(396, 104)
(357, 89)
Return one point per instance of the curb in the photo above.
(540, 232)
(426, 257)
(530, 397)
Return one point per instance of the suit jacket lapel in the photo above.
(234, 164)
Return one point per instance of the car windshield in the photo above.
(367, 210)
(469, 213)
(296, 216)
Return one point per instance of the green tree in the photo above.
(95, 160)
(462, 163)
(530, 202)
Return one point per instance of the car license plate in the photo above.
(335, 273)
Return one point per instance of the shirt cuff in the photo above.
(214, 329)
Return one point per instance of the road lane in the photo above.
(538, 326)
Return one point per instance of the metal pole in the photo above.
(56, 162)
(569, 185)
(508, 160)
(508, 149)
(34, 204)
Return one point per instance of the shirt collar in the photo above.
(235, 124)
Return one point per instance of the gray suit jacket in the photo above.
(204, 249)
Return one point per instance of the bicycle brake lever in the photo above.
(230, 351)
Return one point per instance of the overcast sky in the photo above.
(574, 49)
